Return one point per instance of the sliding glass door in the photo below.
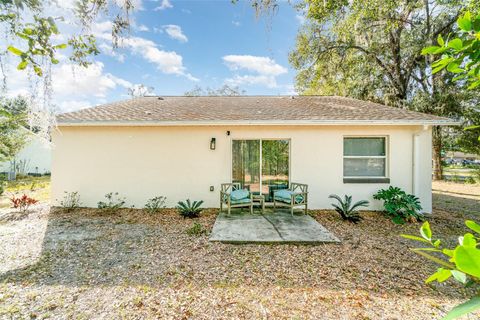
(261, 165)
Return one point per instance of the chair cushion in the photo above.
(244, 200)
(286, 196)
(239, 194)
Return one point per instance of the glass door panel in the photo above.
(246, 164)
(275, 166)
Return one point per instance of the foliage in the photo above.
(196, 229)
(30, 24)
(2, 185)
(225, 90)
(190, 209)
(372, 50)
(462, 262)
(399, 205)
(154, 205)
(460, 52)
(13, 124)
(71, 201)
(23, 203)
(346, 209)
(113, 202)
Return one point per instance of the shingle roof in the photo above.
(243, 110)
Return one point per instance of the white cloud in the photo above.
(300, 18)
(261, 65)
(168, 62)
(109, 51)
(73, 81)
(142, 28)
(264, 69)
(175, 32)
(236, 23)
(72, 105)
(164, 5)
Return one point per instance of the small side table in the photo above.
(260, 200)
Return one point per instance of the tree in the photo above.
(460, 54)
(13, 127)
(140, 90)
(373, 50)
(31, 30)
(225, 90)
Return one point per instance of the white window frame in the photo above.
(386, 157)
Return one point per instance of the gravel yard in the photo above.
(133, 265)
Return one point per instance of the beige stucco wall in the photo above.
(176, 162)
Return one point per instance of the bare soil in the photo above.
(86, 264)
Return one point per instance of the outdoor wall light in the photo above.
(213, 143)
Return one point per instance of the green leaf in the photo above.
(465, 22)
(15, 51)
(22, 65)
(459, 276)
(441, 275)
(472, 225)
(55, 61)
(437, 243)
(434, 259)
(463, 309)
(468, 240)
(440, 40)
(454, 67)
(38, 70)
(430, 50)
(456, 44)
(425, 231)
(407, 236)
(467, 260)
(61, 46)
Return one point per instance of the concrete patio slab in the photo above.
(269, 227)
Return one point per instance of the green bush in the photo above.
(470, 180)
(399, 205)
(113, 202)
(461, 262)
(71, 201)
(190, 209)
(346, 209)
(2, 186)
(196, 229)
(154, 205)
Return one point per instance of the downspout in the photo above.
(416, 160)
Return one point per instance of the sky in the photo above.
(175, 45)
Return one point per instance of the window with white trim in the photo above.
(364, 157)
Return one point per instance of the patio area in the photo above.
(269, 227)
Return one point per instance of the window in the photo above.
(364, 157)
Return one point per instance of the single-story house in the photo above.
(185, 147)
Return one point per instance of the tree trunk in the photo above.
(437, 156)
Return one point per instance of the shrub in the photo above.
(476, 175)
(190, 209)
(196, 230)
(113, 203)
(71, 201)
(2, 185)
(346, 209)
(460, 262)
(470, 180)
(23, 203)
(399, 205)
(155, 204)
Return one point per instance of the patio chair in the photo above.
(295, 196)
(233, 196)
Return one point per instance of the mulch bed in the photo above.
(130, 264)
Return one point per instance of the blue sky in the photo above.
(173, 46)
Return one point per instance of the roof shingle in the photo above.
(245, 109)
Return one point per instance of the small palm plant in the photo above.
(190, 209)
(346, 209)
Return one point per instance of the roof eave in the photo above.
(90, 123)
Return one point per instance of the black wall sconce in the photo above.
(213, 143)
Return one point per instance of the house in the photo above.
(33, 158)
(185, 147)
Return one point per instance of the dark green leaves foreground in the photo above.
(462, 263)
